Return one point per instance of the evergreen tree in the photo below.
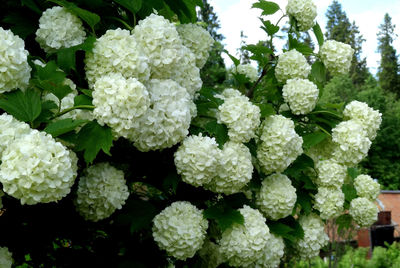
(388, 71)
(244, 54)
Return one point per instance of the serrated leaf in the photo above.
(258, 49)
(47, 112)
(344, 222)
(305, 201)
(236, 61)
(266, 109)
(353, 172)
(267, 7)
(82, 100)
(225, 217)
(220, 132)
(132, 5)
(302, 162)
(312, 139)
(318, 74)
(24, 106)
(300, 47)
(279, 229)
(318, 34)
(63, 126)
(92, 138)
(269, 28)
(87, 92)
(287, 227)
(66, 57)
(349, 192)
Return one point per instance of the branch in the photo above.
(83, 107)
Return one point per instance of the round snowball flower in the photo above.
(101, 191)
(15, 71)
(240, 115)
(234, 169)
(329, 202)
(248, 70)
(119, 102)
(180, 229)
(363, 211)
(272, 255)
(11, 129)
(330, 173)
(336, 56)
(322, 150)
(242, 245)
(292, 64)
(314, 236)
(367, 187)
(301, 95)
(198, 40)
(196, 159)
(279, 144)
(59, 28)
(117, 51)
(277, 196)
(304, 11)
(352, 143)
(37, 169)
(369, 118)
(6, 260)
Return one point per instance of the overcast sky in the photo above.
(237, 15)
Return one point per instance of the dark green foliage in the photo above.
(25, 106)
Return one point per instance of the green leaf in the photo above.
(66, 58)
(269, 28)
(220, 132)
(137, 214)
(170, 183)
(48, 108)
(300, 47)
(279, 228)
(21, 25)
(235, 60)
(349, 192)
(92, 138)
(24, 106)
(60, 127)
(318, 34)
(258, 49)
(287, 227)
(305, 201)
(318, 74)
(353, 172)
(132, 5)
(267, 7)
(82, 100)
(225, 217)
(312, 139)
(266, 109)
(344, 222)
(32, 5)
(302, 162)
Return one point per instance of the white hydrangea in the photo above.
(363, 211)
(117, 51)
(198, 40)
(240, 115)
(276, 197)
(210, 255)
(59, 28)
(242, 245)
(280, 144)
(180, 229)
(119, 102)
(367, 187)
(37, 169)
(273, 252)
(304, 11)
(196, 159)
(101, 190)
(352, 143)
(336, 56)
(314, 236)
(11, 129)
(167, 120)
(329, 202)
(369, 118)
(6, 260)
(330, 173)
(234, 169)
(301, 95)
(322, 151)
(248, 70)
(15, 71)
(292, 64)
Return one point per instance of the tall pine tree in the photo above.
(388, 72)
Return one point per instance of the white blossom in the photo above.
(330, 173)
(248, 70)
(11, 129)
(363, 211)
(6, 260)
(367, 187)
(301, 95)
(336, 56)
(322, 150)
(304, 11)
(292, 64)
(273, 252)
(329, 202)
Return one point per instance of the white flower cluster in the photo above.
(198, 40)
(239, 114)
(330, 173)
(58, 28)
(242, 245)
(37, 169)
(15, 71)
(11, 129)
(304, 11)
(336, 56)
(272, 254)
(363, 211)
(277, 196)
(301, 95)
(101, 190)
(119, 102)
(369, 118)
(367, 187)
(6, 260)
(248, 70)
(314, 236)
(322, 151)
(292, 64)
(351, 142)
(280, 144)
(117, 51)
(180, 229)
(329, 202)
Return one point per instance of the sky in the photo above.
(237, 15)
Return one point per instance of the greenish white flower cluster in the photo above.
(247, 70)
(301, 95)
(273, 252)
(11, 129)
(59, 28)
(101, 191)
(15, 71)
(239, 114)
(242, 245)
(279, 144)
(330, 173)
(180, 229)
(367, 187)
(304, 11)
(292, 64)
(6, 260)
(276, 197)
(322, 151)
(363, 211)
(336, 56)
(329, 202)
